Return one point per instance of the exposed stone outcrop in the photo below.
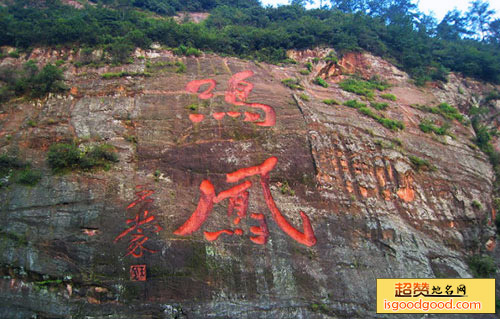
(374, 214)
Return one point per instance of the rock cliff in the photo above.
(315, 201)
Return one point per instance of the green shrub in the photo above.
(271, 55)
(478, 110)
(391, 124)
(14, 54)
(186, 51)
(61, 156)
(319, 81)
(121, 74)
(440, 73)
(357, 87)
(322, 308)
(12, 166)
(394, 144)
(482, 266)
(492, 96)
(286, 189)
(383, 144)
(138, 38)
(421, 76)
(68, 156)
(331, 57)
(397, 142)
(104, 152)
(5, 93)
(476, 204)
(496, 203)
(378, 83)
(387, 96)
(181, 67)
(193, 106)
(419, 163)
(98, 156)
(450, 112)
(111, 75)
(362, 87)
(428, 126)
(304, 97)
(49, 79)
(443, 130)
(193, 52)
(304, 72)
(355, 104)
(87, 58)
(309, 66)
(120, 50)
(386, 122)
(8, 164)
(29, 177)
(158, 64)
(366, 111)
(157, 175)
(331, 102)
(289, 61)
(293, 83)
(131, 138)
(445, 110)
(379, 106)
(45, 284)
(483, 137)
(482, 140)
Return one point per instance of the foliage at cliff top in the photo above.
(464, 42)
(31, 81)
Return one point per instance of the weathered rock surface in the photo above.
(373, 213)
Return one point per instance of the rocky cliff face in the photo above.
(314, 201)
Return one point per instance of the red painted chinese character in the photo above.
(260, 231)
(138, 273)
(142, 196)
(237, 196)
(236, 94)
(136, 248)
(137, 226)
(238, 200)
(195, 85)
